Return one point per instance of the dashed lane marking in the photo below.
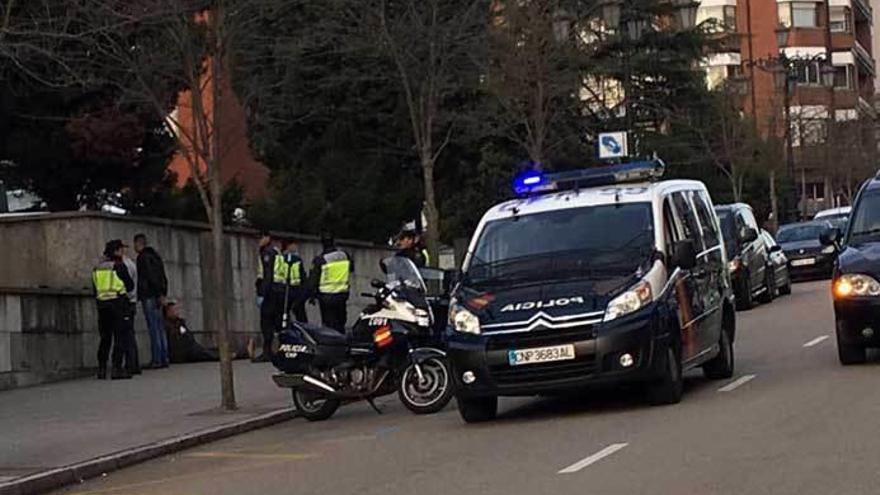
(817, 340)
(598, 456)
(739, 382)
(244, 455)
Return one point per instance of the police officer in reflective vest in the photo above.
(331, 283)
(288, 285)
(112, 284)
(267, 303)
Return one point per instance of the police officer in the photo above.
(112, 284)
(268, 310)
(408, 247)
(331, 282)
(289, 290)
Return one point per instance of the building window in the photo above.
(716, 75)
(843, 76)
(724, 16)
(840, 20)
(809, 73)
(798, 14)
(807, 132)
(815, 190)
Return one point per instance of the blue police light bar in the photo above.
(533, 182)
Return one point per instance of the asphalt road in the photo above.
(792, 421)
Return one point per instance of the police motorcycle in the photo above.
(391, 348)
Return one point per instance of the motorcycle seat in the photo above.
(325, 336)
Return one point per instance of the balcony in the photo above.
(861, 10)
(863, 56)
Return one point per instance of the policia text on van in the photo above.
(605, 275)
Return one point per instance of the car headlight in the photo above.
(856, 285)
(630, 301)
(828, 250)
(733, 265)
(463, 320)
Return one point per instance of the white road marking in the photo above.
(598, 456)
(817, 340)
(730, 387)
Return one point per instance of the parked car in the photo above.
(855, 284)
(747, 254)
(778, 267)
(807, 257)
(838, 217)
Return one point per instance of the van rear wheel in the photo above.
(721, 367)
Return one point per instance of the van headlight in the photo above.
(856, 285)
(462, 320)
(828, 250)
(634, 299)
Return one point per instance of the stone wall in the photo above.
(48, 327)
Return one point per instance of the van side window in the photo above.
(671, 227)
(685, 213)
(707, 220)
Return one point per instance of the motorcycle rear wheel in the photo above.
(314, 407)
(429, 393)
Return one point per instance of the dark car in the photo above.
(808, 258)
(778, 267)
(856, 273)
(746, 253)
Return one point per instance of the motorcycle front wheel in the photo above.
(314, 407)
(426, 388)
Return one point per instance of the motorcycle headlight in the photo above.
(634, 299)
(856, 285)
(463, 320)
(828, 250)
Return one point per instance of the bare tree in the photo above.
(167, 57)
(431, 44)
(534, 72)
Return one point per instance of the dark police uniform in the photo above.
(268, 310)
(112, 284)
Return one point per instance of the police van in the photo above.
(603, 275)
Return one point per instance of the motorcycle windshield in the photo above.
(401, 272)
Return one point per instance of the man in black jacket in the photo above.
(152, 290)
(112, 284)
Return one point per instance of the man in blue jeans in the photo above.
(152, 290)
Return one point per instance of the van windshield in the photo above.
(866, 220)
(595, 241)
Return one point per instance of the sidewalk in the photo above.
(64, 423)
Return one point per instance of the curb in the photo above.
(74, 473)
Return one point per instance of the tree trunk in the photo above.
(227, 385)
(431, 211)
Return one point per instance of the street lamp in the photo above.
(686, 12)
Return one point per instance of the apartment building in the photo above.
(807, 66)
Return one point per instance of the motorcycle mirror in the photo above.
(377, 284)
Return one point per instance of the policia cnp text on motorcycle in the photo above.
(331, 283)
(112, 283)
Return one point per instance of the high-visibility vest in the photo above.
(108, 285)
(287, 273)
(335, 273)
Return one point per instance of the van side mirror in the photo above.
(684, 254)
(830, 237)
(749, 235)
(775, 248)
